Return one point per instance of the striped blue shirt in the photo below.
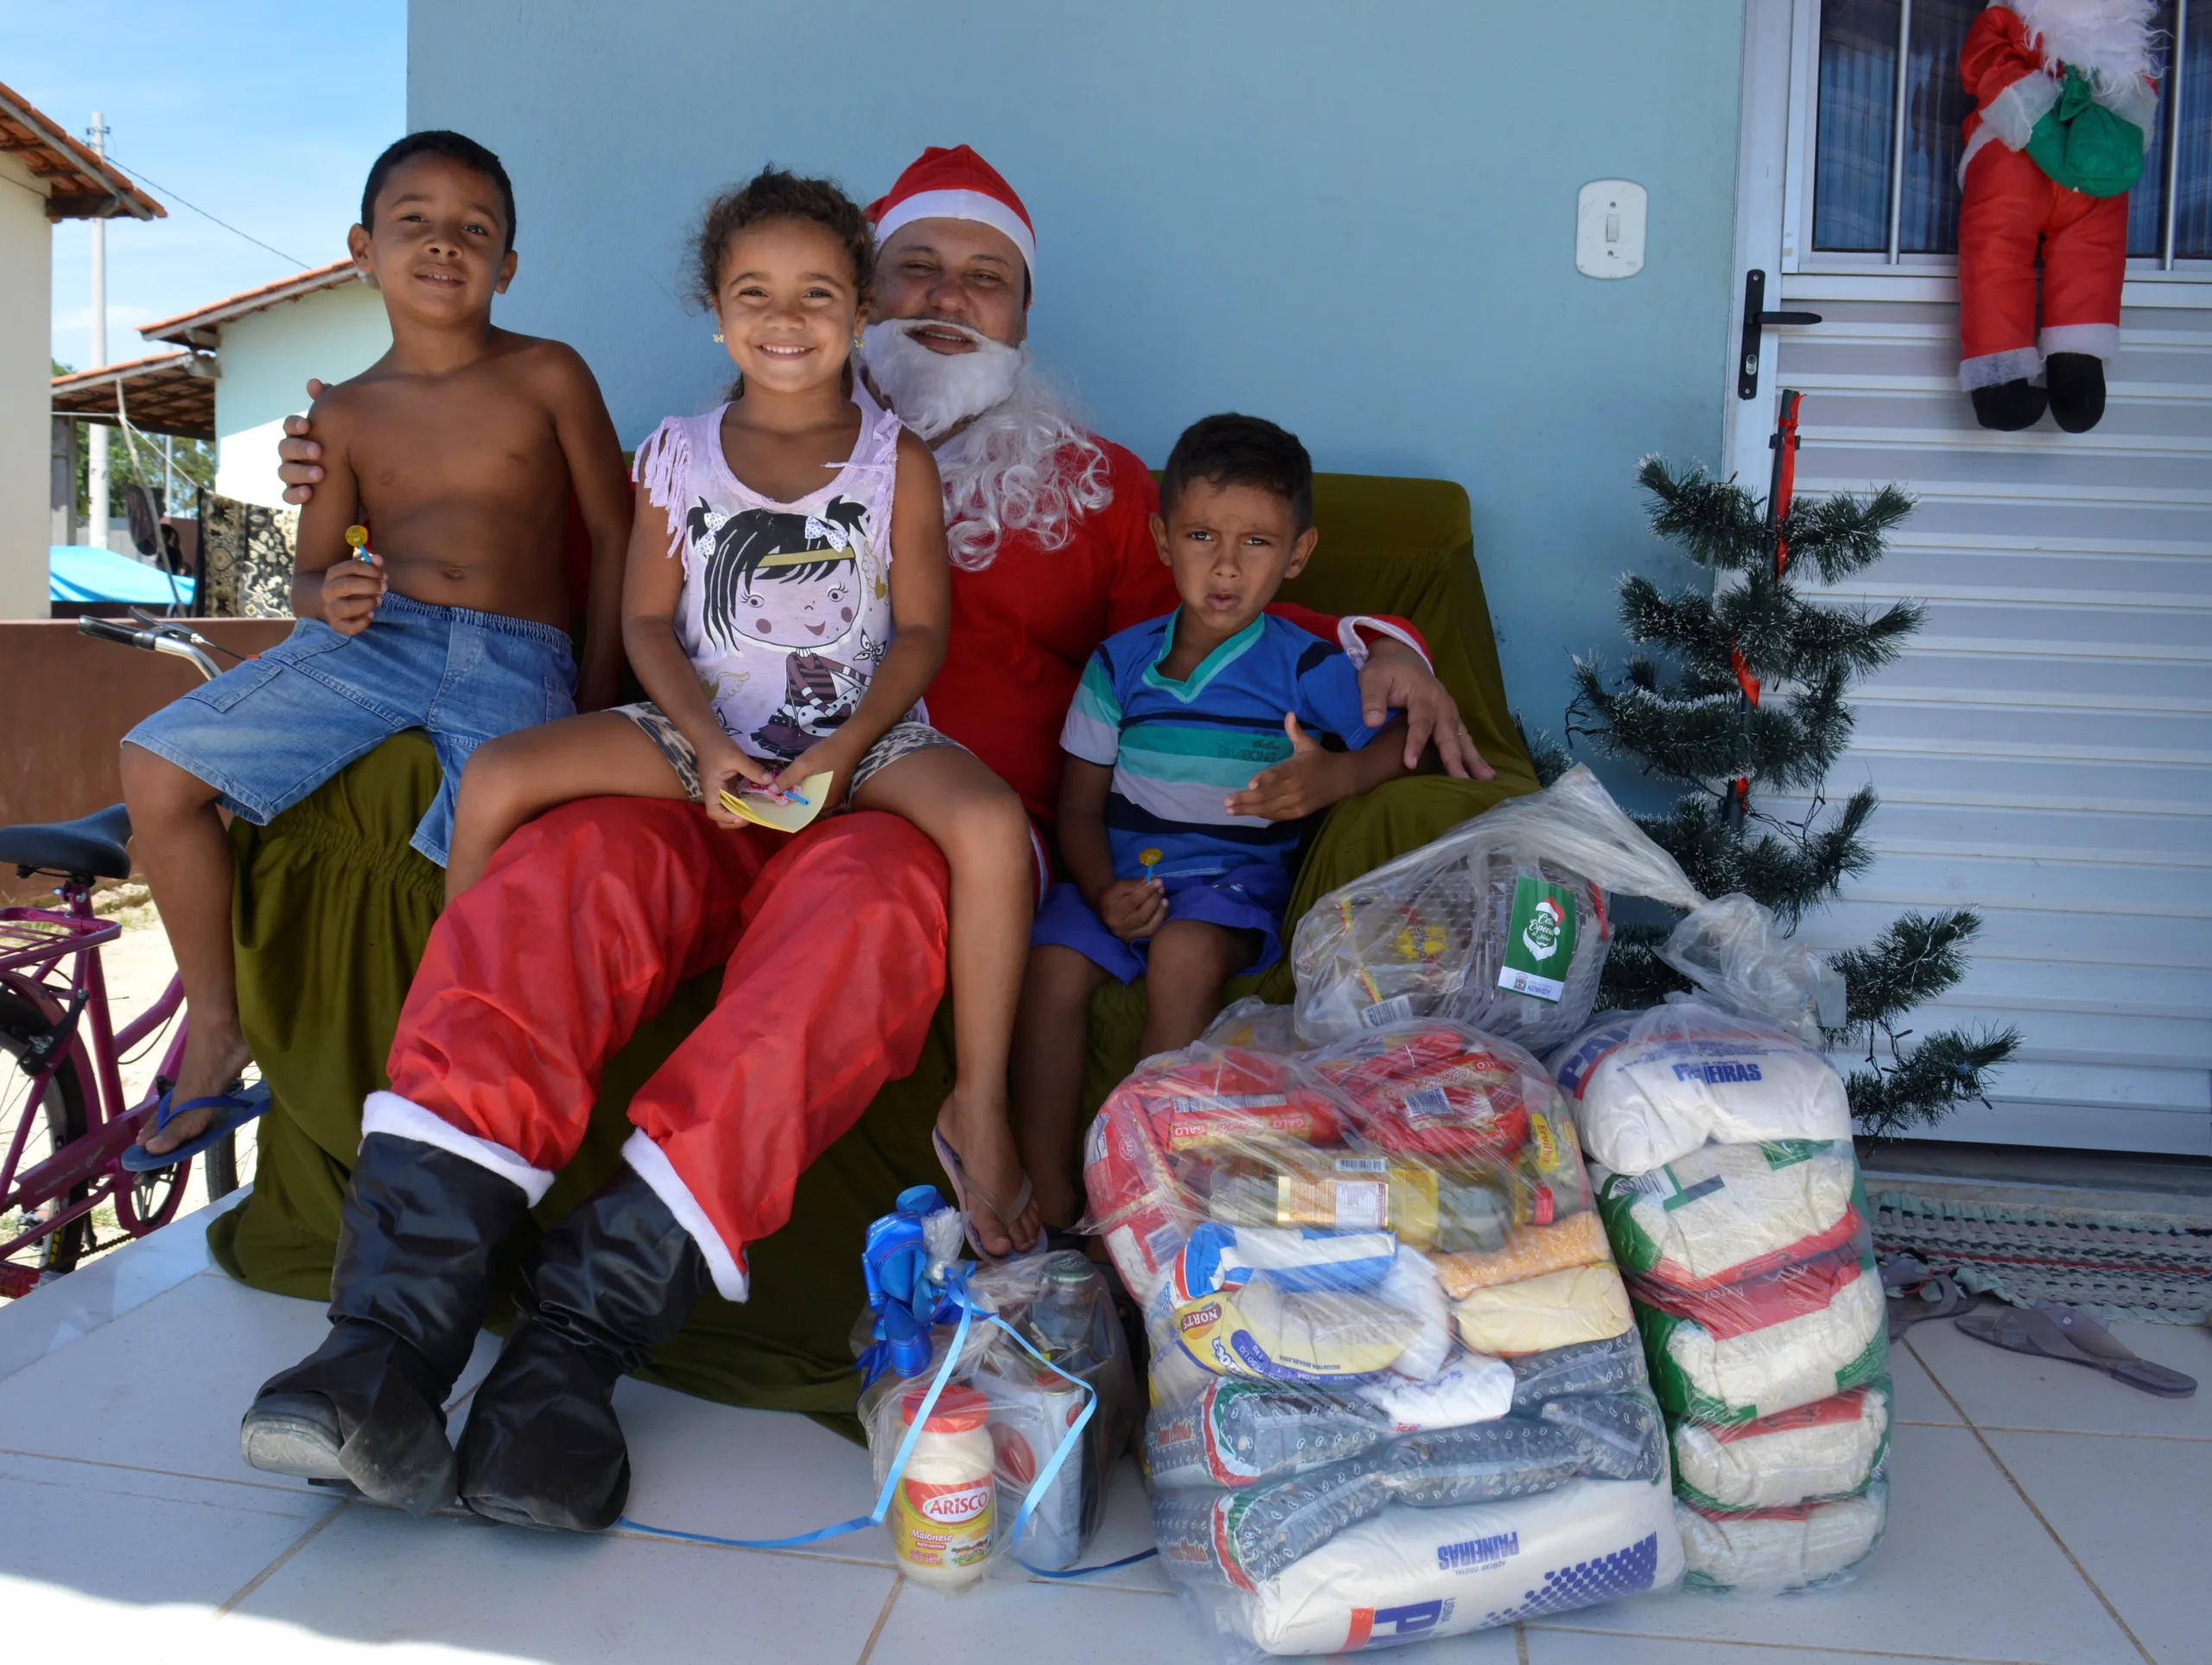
(1178, 748)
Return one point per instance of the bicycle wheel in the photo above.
(144, 1202)
(222, 1166)
(23, 1022)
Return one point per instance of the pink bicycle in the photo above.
(67, 1132)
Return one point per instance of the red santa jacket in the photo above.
(2017, 53)
(1024, 627)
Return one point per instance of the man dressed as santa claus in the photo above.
(831, 944)
(2062, 110)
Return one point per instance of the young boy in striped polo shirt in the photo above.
(1193, 754)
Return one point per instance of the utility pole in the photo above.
(95, 468)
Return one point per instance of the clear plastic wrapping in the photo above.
(1025, 1410)
(1830, 1448)
(1651, 1087)
(1772, 1551)
(1396, 1390)
(1500, 924)
(1726, 1181)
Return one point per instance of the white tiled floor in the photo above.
(2040, 1515)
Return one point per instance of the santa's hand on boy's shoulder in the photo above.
(1310, 778)
(299, 458)
(351, 590)
(722, 767)
(1132, 908)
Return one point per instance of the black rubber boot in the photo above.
(2010, 405)
(408, 1295)
(2077, 389)
(602, 1291)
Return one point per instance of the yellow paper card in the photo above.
(784, 815)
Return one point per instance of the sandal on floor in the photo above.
(967, 1194)
(233, 1110)
(1917, 1294)
(2048, 1330)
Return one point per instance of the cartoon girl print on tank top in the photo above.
(787, 606)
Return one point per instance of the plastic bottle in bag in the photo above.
(1032, 1411)
(943, 1512)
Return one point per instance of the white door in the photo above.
(2043, 749)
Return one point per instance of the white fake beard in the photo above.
(932, 392)
(2107, 39)
(1025, 463)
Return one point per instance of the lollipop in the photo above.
(358, 537)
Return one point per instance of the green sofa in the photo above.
(334, 909)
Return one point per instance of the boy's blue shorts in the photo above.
(267, 732)
(1243, 898)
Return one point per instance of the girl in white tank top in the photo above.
(784, 606)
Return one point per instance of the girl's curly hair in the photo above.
(774, 193)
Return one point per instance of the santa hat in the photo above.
(955, 184)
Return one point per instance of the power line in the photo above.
(167, 192)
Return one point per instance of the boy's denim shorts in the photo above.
(1251, 897)
(267, 732)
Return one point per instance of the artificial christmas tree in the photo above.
(1739, 694)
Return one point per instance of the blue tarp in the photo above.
(78, 572)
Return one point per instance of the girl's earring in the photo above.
(718, 337)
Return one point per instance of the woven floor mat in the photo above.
(2120, 1266)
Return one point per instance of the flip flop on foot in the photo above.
(967, 1196)
(2049, 1330)
(232, 1111)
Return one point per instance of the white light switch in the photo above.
(1609, 229)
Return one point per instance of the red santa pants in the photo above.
(2010, 205)
(833, 944)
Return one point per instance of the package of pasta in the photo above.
(1181, 1122)
(1502, 924)
(1379, 1305)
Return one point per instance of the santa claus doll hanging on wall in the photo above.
(2063, 104)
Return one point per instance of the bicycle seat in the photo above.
(88, 847)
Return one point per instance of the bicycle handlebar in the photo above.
(177, 641)
(108, 631)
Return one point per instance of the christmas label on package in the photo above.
(1539, 940)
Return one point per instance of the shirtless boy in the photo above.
(458, 450)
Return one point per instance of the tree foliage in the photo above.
(1680, 707)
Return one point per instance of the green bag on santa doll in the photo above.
(2085, 147)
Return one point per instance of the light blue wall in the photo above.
(267, 358)
(1357, 220)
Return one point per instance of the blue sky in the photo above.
(266, 115)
